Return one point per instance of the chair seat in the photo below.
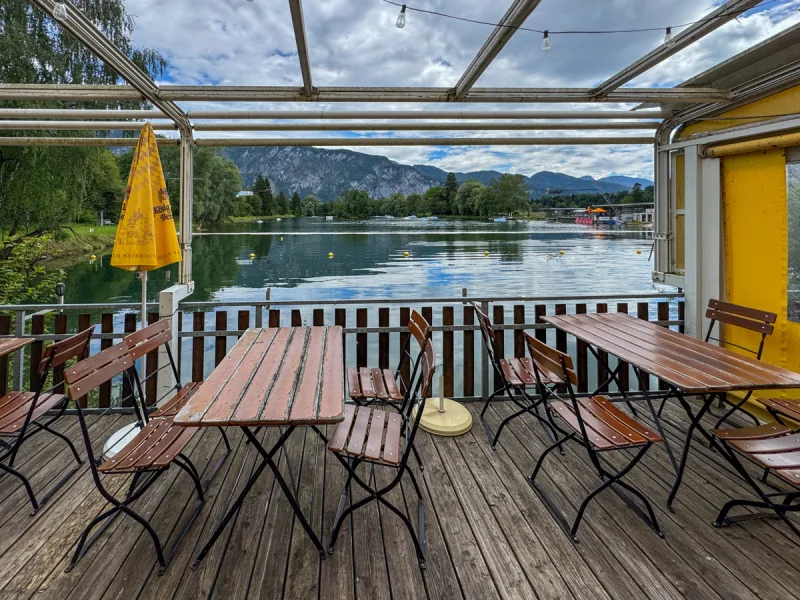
(154, 447)
(520, 372)
(785, 407)
(607, 427)
(14, 407)
(372, 384)
(368, 433)
(759, 432)
(171, 407)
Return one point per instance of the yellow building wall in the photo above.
(755, 217)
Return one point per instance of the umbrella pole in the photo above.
(143, 278)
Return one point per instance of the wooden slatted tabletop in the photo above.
(273, 377)
(9, 345)
(686, 363)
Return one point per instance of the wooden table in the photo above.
(278, 377)
(687, 365)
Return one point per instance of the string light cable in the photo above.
(546, 33)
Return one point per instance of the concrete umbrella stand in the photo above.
(445, 417)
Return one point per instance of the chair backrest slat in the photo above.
(148, 339)
(428, 368)
(742, 311)
(763, 327)
(485, 323)
(544, 356)
(419, 327)
(65, 350)
(90, 373)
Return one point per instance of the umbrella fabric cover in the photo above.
(146, 237)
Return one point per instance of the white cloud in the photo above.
(355, 43)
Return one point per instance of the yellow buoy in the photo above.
(638, 252)
(281, 238)
(252, 255)
(92, 257)
(405, 254)
(486, 253)
(561, 252)
(330, 254)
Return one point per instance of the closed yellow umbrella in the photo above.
(146, 237)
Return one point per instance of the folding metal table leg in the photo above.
(654, 414)
(694, 424)
(612, 376)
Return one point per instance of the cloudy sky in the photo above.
(356, 43)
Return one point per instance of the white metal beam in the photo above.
(207, 93)
(515, 16)
(717, 18)
(82, 126)
(76, 141)
(91, 37)
(493, 141)
(296, 8)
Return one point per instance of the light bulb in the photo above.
(668, 36)
(401, 18)
(60, 11)
(546, 45)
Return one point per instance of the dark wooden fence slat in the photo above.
(582, 354)
(405, 364)
(37, 347)
(383, 338)
(297, 318)
(498, 318)
(274, 317)
(469, 352)
(624, 371)
(519, 334)
(198, 343)
(243, 320)
(448, 354)
(681, 316)
(663, 315)
(60, 327)
(340, 320)
(643, 312)
(5, 329)
(319, 317)
(106, 326)
(151, 388)
(180, 343)
(427, 313)
(220, 341)
(561, 338)
(602, 373)
(84, 322)
(539, 311)
(361, 338)
(128, 326)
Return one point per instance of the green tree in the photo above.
(263, 190)
(297, 205)
(311, 206)
(450, 191)
(510, 193)
(413, 204)
(466, 197)
(636, 193)
(283, 203)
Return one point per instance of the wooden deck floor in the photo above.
(488, 534)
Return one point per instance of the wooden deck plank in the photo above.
(336, 571)
(556, 572)
(508, 574)
(266, 555)
(269, 575)
(654, 566)
(612, 563)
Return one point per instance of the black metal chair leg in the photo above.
(417, 458)
(225, 439)
(82, 546)
(26, 483)
(193, 474)
(153, 535)
(542, 456)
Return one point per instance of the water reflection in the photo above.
(524, 258)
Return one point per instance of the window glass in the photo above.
(793, 189)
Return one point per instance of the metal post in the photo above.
(260, 311)
(484, 360)
(186, 204)
(19, 355)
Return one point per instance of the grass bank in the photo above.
(252, 218)
(75, 240)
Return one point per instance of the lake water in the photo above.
(292, 257)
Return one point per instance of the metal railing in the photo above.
(373, 328)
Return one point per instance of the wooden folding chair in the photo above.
(147, 456)
(367, 386)
(600, 427)
(375, 437)
(23, 414)
(516, 376)
(774, 448)
(759, 321)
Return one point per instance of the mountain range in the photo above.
(327, 173)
